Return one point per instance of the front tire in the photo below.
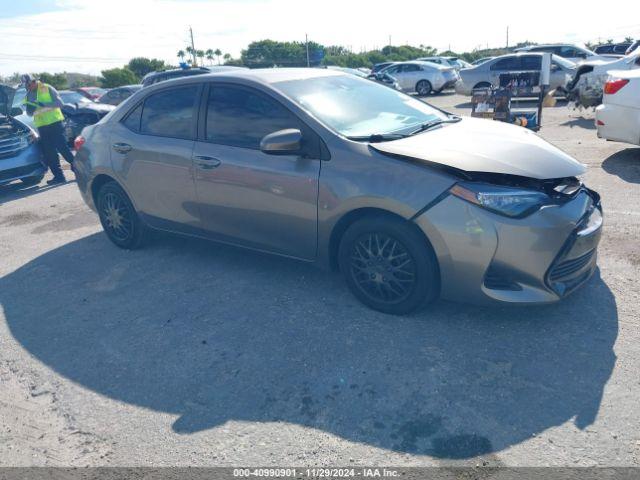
(423, 88)
(388, 265)
(119, 218)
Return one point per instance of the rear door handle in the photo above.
(206, 163)
(121, 147)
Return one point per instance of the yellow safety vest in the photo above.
(45, 115)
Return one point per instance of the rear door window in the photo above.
(132, 120)
(531, 62)
(507, 64)
(171, 112)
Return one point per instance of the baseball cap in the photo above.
(26, 79)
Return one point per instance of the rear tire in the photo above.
(32, 181)
(119, 218)
(423, 88)
(388, 265)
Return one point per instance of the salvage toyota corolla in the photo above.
(407, 201)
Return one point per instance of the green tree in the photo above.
(200, 54)
(628, 39)
(227, 57)
(181, 55)
(141, 65)
(116, 77)
(209, 54)
(56, 80)
(191, 52)
(217, 53)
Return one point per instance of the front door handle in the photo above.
(206, 163)
(121, 147)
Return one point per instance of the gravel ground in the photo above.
(190, 353)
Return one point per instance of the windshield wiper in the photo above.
(434, 123)
(378, 137)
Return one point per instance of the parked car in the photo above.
(612, 49)
(488, 73)
(571, 52)
(586, 86)
(407, 201)
(116, 96)
(351, 71)
(618, 118)
(155, 77)
(454, 62)
(380, 66)
(20, 156)
(385, 79)
(481, 60)
(422, 78)
(79, 112)
(92, 93)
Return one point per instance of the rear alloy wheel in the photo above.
(119, 218)
(423, 88)
(388, 266)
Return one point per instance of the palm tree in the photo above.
(628, 39)
(227, 57)
(181, 55)
(217, 53)
(210, 54)
(191, 52)
(200, 54)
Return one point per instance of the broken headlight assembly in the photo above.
(507, 201)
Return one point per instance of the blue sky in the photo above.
(12, 9)
(91, 35)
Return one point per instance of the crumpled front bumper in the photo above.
(485, 257)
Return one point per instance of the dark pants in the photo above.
(52, 141)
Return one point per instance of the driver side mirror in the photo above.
(282, 142)
(16, 112)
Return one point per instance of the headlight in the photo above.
(511, 202)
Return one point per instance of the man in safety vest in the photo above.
(44, 104)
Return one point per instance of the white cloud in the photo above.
(91, 35)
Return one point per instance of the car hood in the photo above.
(476, 145)
(6, 99)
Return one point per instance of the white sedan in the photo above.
(618, 118)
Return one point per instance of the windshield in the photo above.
(73, 97)
(355, 107)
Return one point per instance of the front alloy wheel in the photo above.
(388, 264)
(382, 268)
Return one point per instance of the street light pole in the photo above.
(306, 40)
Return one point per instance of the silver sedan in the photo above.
(409, 202)
(422, 78)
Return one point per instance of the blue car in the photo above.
(20, 155)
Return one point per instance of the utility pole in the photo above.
(389, 40)
(507, 36)
(306, 40)
(193, 48)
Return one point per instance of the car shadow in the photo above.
(581, 122)
(625, 164)
(212, 334)
(16, 190)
